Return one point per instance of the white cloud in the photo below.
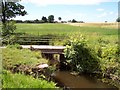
(66, 2)
(100, 9)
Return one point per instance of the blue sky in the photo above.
(81, 10)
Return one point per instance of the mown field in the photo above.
(91, 31)
(63, 29)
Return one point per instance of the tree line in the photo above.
(48, 20)
(44, 19)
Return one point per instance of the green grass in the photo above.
(62, 29)
(93, 33)
(21, 81)
(13, 56)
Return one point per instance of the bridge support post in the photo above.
(50, 56)
(62, 58)
(62, 65)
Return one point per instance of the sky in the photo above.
(80, 10)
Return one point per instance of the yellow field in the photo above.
(101, 25)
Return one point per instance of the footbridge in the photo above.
(47, 51)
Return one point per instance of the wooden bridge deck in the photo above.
(46, 48)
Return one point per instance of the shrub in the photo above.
(81, 57)
(109, 57)
(8, 28)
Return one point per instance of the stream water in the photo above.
(79, 81)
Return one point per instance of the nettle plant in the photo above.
(80, 56)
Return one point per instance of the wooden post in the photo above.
(61, 64)
(62, 58)
(50, 56)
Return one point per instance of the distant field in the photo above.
(66, 29)
(101, 25)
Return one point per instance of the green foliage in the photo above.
(59, 18)
(103, 52)
(16, 46)
(51, 18)
(118, 19)
(80, 56)
(73, 21)
(44, 19)
(11, 9)
(109, 57)
(94, 55)
(21, 81)
(8, 28)
(14, 56)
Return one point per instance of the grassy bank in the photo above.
(22, 81)
(23, 65)
(13, 56)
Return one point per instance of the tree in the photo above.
(73, 21)
(51, 18)
(10, 10)
(118, 19)
(59, 18)
(44, 19)
(36, 21)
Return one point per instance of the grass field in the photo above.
(63, 29)
(92, 31)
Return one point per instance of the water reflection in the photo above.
(79, 81)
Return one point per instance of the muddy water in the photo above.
(79, 81)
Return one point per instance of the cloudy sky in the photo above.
(82, 10)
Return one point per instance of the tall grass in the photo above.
(21, 81)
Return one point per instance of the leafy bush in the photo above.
(15, 46)
(21, 81)
(109, 57)
(8, 28)
(81, 57)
